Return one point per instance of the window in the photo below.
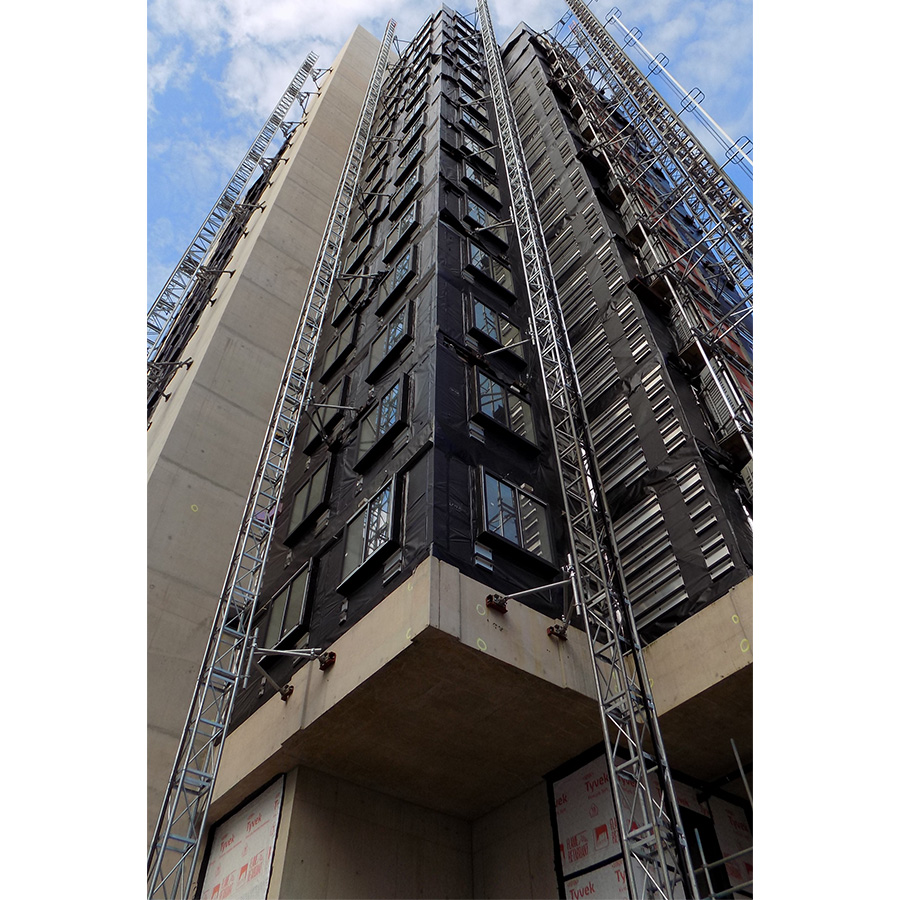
(483, 151)
(381, 422)
(286, 611)
(339, 348)
(481, 181)
(397, 279)
(472, 101)
(471, 84)
(496, 327)
(516, 516)
(347, 291)
(370, 530)
(356, 257)
(482, 261)
(406, 191)
(467, 61)
(416, 120)
(504, 407)
(467, 116)
(309, 499)
(389, 341)
(401, 231)
(408, 156)
(477, 215)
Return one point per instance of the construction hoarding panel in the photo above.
(606, 883)
(585, 817)
(241, 846)
(734, 836)
(589, 860)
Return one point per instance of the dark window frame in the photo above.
(388, 343)
(348, 334)
(376, 537)
(495, 403)
(519, 503)
(495, 334)
(399, 278)
(313, 504)
(484, 264)
(382, 423)
(287, 633)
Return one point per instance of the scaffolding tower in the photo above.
(173, 316)
(632, 129)
(229, 652)
(654, 846)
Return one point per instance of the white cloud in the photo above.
(171, 70)
(248, 50)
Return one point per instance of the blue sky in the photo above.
(216, 69)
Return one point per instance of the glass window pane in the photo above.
(520, 418)
(353, 546)
(297, 601)
(317, 487)
(486, 320)
(298, 513)
(273, 629)
(476, 213)
(368, 432)
(479, 259)
(379, 521)
(500, 503)
(509, 334)
(402, 269)
(395, 330)
(389, 411)
(502, 275)
(492, 399)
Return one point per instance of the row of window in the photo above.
(478, 260)
(505, 511)
(492, 402)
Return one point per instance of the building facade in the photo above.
(442, 752)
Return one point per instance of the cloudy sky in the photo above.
(216, 69)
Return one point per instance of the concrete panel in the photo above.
(416, 713)
(340, 840)
(187, 540)
(459, 727)
(705, 649)
(204, 441)
(702, 674)
(512, 849)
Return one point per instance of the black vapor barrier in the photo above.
(674, 496)
(428, 434)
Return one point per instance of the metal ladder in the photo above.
(653, 843)
(172, 304)
(177, 839)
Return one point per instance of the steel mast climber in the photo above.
(179, 831)
(653, 844)
(699, 184)
(170, 319)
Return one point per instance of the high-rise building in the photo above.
(452, 745)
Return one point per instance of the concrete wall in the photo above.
(340, 840)
(512, 849)
(204, 441)
(439, 715)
